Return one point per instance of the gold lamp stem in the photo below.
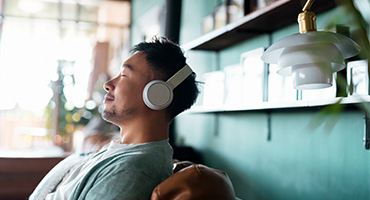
(307, 19)
(308, 5)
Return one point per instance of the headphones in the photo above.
(158, 94)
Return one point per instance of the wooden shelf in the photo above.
(264, 106)
(265, 20)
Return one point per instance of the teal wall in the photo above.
(138, 9)
(309, 156)
(300, 161)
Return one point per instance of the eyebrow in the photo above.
(127, 66)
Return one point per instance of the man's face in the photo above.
(123, 100)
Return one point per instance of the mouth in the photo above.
(108, 98)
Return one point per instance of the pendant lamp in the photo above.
(310, 57)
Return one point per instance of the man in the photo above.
(132, 167)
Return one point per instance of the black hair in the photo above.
(166, 58)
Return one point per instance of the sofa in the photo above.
(194, 181)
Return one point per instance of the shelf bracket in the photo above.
(367, 132)
(268, 128)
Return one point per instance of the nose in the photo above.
(108, 86)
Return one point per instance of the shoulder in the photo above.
(142, 159)
(155, 161)
(152, 152)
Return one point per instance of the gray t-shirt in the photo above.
(121, 171)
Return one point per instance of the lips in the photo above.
(108, 97)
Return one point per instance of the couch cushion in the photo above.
(195, 182)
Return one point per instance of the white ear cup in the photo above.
(157, 95)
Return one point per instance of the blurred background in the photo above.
(54, 57)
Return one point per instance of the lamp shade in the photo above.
(311, 58)
(310, 53)
(312, 76)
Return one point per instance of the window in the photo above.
(46, 64)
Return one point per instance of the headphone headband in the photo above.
(179, 77)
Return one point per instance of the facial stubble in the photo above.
(113, 116)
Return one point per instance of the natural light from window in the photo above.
(46, 62)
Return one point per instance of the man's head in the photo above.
(165, 59)
(156, 60)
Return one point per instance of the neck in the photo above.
(150, 128)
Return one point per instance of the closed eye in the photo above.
(122, 74)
